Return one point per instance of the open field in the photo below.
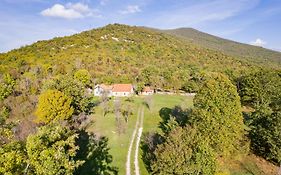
(119, 143)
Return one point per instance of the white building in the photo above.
(116, 90)
(147, 91)
(122, 90)
(102, 89)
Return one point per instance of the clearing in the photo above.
(124, 146)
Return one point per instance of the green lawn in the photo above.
(119, 143)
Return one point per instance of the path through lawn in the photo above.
(137, 168)
(138, 128)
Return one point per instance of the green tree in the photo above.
(266, 135)
(217, 114)
(13, 159)
(53, 105)
(6, 133)
(83, 76)
(52, 149)
(6, 86)
(72, 88)
(261, 89)
(184, 152)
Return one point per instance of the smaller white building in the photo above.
(147, 91)
(102, 89)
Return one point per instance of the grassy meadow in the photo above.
(119, 143)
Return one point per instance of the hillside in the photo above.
(253, 53)
(46, 88)
(121, 53)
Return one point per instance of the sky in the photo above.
(256, 22)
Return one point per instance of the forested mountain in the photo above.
(121, 53)
(245, 51)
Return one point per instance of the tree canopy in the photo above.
(261, 91)
(13, 159)
(83, 76)
(6, 86)
(217, 114)
(53, 105)
(52, 149)
(184, 152)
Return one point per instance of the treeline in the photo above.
(192, 141)
(261, 92)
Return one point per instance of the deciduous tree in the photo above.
(266, 135)
(13, 159)
(6, 86)
(83, 76)
(52, 149)
(217, 114)
(53, 105)
(184, 152)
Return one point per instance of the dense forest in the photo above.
(45, 103)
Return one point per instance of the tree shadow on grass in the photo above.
(95, 152)
(170, 116)
(175, 116)
(148, 145)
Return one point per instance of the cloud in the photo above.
(258, 42)
(69, 11)
(201, 13)
(131, 9)
(103, 2)
(79, 7)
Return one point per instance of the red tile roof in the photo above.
(122, 88)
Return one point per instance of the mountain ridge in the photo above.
(226, 46)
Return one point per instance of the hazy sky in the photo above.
(255, 22)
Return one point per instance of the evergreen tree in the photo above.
(262, 92)
(261, 89)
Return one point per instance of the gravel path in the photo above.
(136, 162)
(128, 163)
